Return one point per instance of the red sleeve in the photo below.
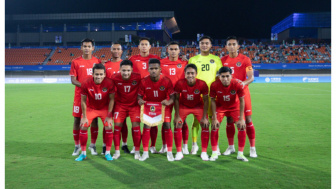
(204, 89)
(84, 89)
(177, 86)
(73, 70)
(240, 89)
(141, 91)
(112, 88)
(213, 90)
(170, 88)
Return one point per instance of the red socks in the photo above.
(241, 140)
(185, 132)
(109, 138)
(230, 132)
(124, 132)
(75, 134)
(178, 139)
(83, 137)
(116, 137)
(104, 135)
(214, 139)
(145, 138)
(250, 133)
(163, 136)
(136, 134)
(94, 134)
(169, 139)
(205, 139)
(153, 135)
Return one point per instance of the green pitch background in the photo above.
(293, 140)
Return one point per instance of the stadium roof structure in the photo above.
(304, 20)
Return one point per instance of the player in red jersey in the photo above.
(127, 84)
(81, 68)
(227, 99)
(173, 68)
(157, 88)
(97, 100)
(112, 67)
(188, 100)
(241, 69)
(140, 65)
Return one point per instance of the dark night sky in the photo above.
(219, 19)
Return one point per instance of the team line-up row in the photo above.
(116, 89)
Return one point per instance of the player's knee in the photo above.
(135, 124)
(76, 124)
(84, 128)
(146, 126)
(248, 119)
(229, 119)
(166, 125)
(108, 128)
(94, 122)
(118, 124)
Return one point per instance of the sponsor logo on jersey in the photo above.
(134, 82)
(91, 90)
(119, 83)
(104, 89)
(179, 65)
(81, 66)
(152, 108)
(196, 91)
(238, 64)
(148, 88)
(109, 68)
(184, 91)
(212, 61)
(233, 92)
(137, 60)
(219, 91)
(162, 88)
(226, 63)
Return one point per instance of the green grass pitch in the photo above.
(293, 140)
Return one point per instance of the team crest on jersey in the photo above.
(152, 108)
(238, 64)
(104, 89)
(162, 88)
(134, 82)
(179, 65)
(233, 92)
(212, 61)
(196, 91)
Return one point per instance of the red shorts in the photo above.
(248, 104)
(198, 113)
(234, 114)
(77, 108)
(92, 114)
(122, 112)
(168, 111)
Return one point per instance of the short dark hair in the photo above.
(232, 38)
(144, 38)
(205, 37)
(115, 43)
(193, 66)
(98, 67)
(126, 63)
(224, 69)
(154, 61)
(87, 40)
(173, 43)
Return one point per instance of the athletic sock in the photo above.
(83, 137)
(145, 138)
(250, 133)
(153, 135)
(109, 139)
(76, 136)
(214, 139)
(116, 137)
(104, 135)
(205, 139)
(230, 132)
(163, 136)
(94, 134)
(136, 133)
(178, 139)
(169, 139)
(241, 140)
(185, 132)
(124, 132)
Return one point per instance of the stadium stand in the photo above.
(26, 56)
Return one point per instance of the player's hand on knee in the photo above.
(205, 121)
(108, 121)
(84, 122)
(178, 122)
(241, 125)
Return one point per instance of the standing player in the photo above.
(97, 101)
(241, 69)
(81, 68)
(188, 100)
(140, 65)
(224, 95)
(157, 88)
(173, 68)
(112, 67)
(127, 85)
(207, 66)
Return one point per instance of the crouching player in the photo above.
(224, 94)
(97, 100)
(127, 84)
(188, 100)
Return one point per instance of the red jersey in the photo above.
(190, 96)
(227, 97)
(140, 64)
(81, 69)
(112, 68)
(97, 95)
(174, 70)
(239, 65)
(126, 90)
(156, 91)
